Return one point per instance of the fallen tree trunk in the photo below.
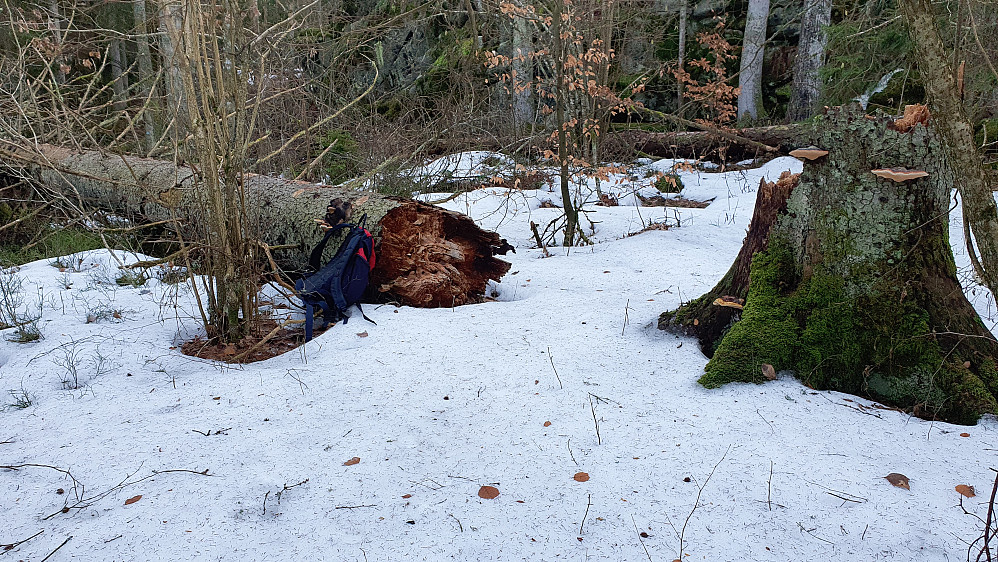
(710, 146)
(851, 282)
(427, 256)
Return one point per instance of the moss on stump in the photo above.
(856, 289)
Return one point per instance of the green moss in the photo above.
(767, 333)
(58, 242)
(877, 344)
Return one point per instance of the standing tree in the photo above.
(753, 51)
(810, 58)
(950, 117)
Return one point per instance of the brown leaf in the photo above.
(966, 491)
(581, 477)
(352, 461)
(899, 480)
(132, 500)
(406, 496)
(547, 424)
(362, 334)
(488, 492)
(769, 372)
(964, 435)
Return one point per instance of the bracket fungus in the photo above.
(809, 153)
(899, 174)
(732, 302)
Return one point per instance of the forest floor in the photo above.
(373, 442)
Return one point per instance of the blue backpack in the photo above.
(342, 282)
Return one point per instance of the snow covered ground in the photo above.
(563, 373)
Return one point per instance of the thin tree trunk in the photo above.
(522, 78)
(683, 16)
(146, 81)
(55, 26)
(119, 79)
(571, 214)
(753, 47)
(810, 58)
(950, 118)
(171, 21)
(473, 24)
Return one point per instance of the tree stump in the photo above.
(851, 282)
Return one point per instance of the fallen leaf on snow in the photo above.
(362, 334)
(352, 461)
(547, 424)
(899, 480)
(768, 371)
(966, 491)
(581, 477)
(132, 500)
(488, 492)
(964, 435)
(406, 496)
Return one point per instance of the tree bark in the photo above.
(522, 82)
(171, 24)
(426, 256)
(683, 24)
(146, 81)
(950, 118)
(810, 58)
(852, 284)
(705, 144)
(753, 47)
(119, 79)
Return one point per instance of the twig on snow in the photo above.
(57, 548)
(13, 545)
(586, 514)
(551, 358)
(769, 492)
(811, 532)
(696, 503)
(648, 554)
(570, 453)
(765, 420)
(599, 440)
